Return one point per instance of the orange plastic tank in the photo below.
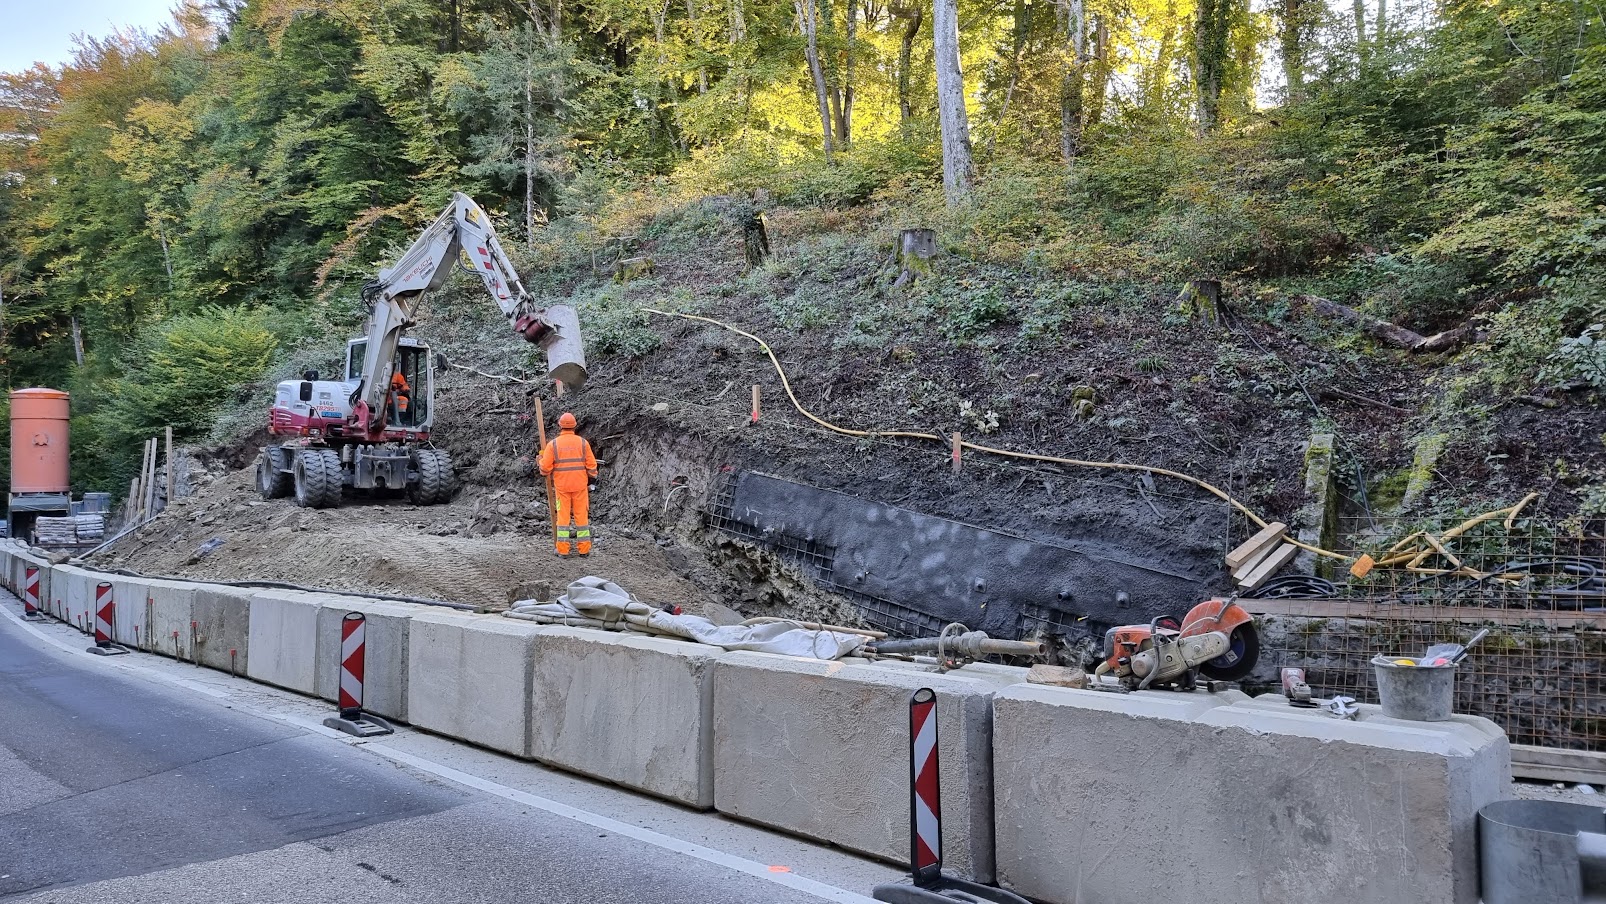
(39, 441)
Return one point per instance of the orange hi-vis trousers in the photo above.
(575, 507)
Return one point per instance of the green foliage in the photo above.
(179, 374)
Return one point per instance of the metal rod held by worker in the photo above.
(551, 510)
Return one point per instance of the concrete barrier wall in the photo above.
(469, 677)
(1062, 795)
(156, 612)
(73, 592)
(284, 639)
(1156, 796)
(385, 663)
(632, 710)
(822, 749)
(223, 620)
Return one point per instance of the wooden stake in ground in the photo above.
(755, 403)
(146, 451)
(551, 508)
(150, 482)
(958, 448)
(168, 486)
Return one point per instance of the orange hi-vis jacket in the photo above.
(569, 460)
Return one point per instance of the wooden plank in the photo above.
(1256, 545)
(168, 486)
(1251, 563)
(1553, 765)
(1381, 611)
(1282, 556)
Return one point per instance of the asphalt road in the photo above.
(120, 784)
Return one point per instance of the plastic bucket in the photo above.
(1416, 693)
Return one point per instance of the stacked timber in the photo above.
(75, 530)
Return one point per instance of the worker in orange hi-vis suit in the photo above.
(573, 469)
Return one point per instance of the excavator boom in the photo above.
(462, 232)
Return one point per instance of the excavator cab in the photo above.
(408, 406)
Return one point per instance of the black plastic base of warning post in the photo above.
(35, 615)
(109, 650)
(366, 725)
(945, 890)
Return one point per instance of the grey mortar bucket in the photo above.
(1417, 693)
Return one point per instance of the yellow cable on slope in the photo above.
(1026, 456)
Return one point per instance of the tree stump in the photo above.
(755, 239)
(913, 255)
(1201, 299)
(632, 268)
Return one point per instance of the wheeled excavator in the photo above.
(370, 430)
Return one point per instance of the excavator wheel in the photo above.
(272, 480)
(318, 479)
(437, 480)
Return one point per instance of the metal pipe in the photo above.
(973, 644)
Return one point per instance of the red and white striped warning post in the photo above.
(30, 592)
(105, 614)
(105, 620)
(353, 673)
(353, 653)
(925, 791)
(929, 885)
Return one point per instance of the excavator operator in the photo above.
(402, 394)
(567, 459)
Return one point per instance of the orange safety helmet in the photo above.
(567, 421)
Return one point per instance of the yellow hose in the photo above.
(1026, 456)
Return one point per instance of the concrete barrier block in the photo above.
(385, 663)
(162, 611)
(73, 594)
(19, 561)
(283, 628)
(822, 749)
(469, 677)
(1249, 801)
(627, 709)
(223, 625)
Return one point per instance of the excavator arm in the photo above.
(463, 233)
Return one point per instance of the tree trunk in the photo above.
(906, 48)
(529, 137)
(1380, 33)
(958, 169)
(1073, 34)
(807, 22)
(1292, 40)
(1211, 32)
(167, 258)
(1021, 17)
(1359, 9)
(77, 341)
(844, 131)
(1094, 104)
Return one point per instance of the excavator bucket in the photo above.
(565, 352)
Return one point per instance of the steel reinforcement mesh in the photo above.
(1540, 673)
(817, 562)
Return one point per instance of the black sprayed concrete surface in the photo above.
(118, 788)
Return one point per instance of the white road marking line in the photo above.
(729, 861)
(118, 663)
(647, 836)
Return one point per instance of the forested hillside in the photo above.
(183, 212)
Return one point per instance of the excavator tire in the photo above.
(272, 480)
(437, 480)
(318, 479)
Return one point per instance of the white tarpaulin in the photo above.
(593, 602)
